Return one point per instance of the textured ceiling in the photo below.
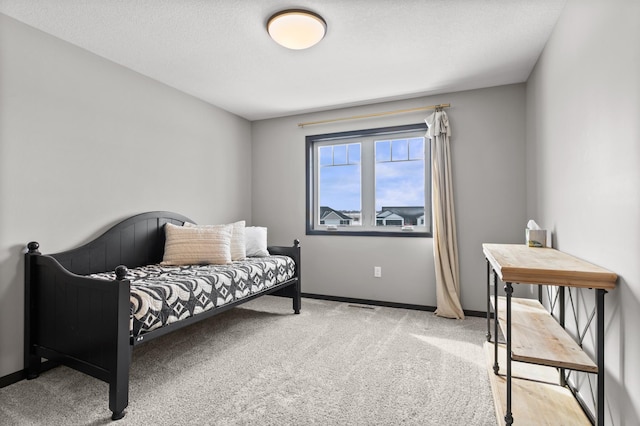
(374, 50)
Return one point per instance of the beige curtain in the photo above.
(445, 246)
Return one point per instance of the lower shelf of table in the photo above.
(536, 397)
(539, 339)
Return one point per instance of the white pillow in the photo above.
(256, 239)
(197, 245)
(238, 241)
(238, 245)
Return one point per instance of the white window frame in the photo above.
(367, 223)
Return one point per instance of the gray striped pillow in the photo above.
(197, 245)
(238, 246)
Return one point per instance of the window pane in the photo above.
(399, 150)
(339, 188)
(339, 154)
(400, 193)
(416, 149)
(354, 153)
(326, 155)
(383, 151)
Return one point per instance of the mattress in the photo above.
(162, 295)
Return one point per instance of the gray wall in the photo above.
(488, 145)
(85, 143)
(583, 179)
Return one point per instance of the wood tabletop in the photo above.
(519, 263)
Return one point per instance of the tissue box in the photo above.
(536, 237)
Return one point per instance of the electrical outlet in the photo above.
(377, 271)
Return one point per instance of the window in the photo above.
(369, 182)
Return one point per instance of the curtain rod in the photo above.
(378, 114)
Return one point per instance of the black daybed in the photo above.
(87, 308)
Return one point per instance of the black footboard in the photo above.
(85, 323)
(79, 322)
(293, 291)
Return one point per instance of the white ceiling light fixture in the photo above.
(296, 29)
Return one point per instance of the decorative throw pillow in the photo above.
(256, 238)
(197, 245)
(238, 241)
(238, 245)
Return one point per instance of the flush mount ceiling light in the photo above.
(296, 29)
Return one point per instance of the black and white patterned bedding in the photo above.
(162, 295)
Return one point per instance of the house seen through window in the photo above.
(369, 182)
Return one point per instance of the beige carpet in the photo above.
(334, 364)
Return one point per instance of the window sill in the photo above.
(401, 234)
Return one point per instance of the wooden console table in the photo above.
(532, 334)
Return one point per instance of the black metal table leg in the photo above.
(488, 335)
(563, 376)
(600, 354)
(496, 367)
(540, 293)
(508, 418)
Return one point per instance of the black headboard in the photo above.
(136, 241)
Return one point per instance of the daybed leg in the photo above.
(297, 299)
(119, 381)
(297, 295)
(117, 415)
(119, 388)
(32, 362)
(32, 369)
